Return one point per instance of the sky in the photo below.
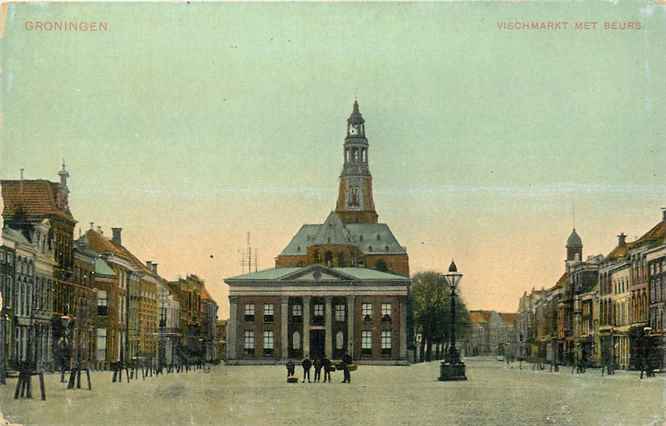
(189, 125)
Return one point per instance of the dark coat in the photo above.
(306, 364)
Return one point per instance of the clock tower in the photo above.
(355, 203)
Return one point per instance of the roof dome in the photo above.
(574, 240)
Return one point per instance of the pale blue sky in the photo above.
(189, 125)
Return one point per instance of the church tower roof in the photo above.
(356, 117)
(574, 240)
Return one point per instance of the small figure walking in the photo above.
(317, 369)
(307, 364)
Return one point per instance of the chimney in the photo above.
(116, 238)
(99, 229)
(621, 239)
(663, 214)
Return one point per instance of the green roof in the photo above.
(370, 274)
(266, 274)
(103, 268)
(276, 274)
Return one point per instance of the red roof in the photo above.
(102, 244)
(477, 317)
(35, 197)
(657, 233)
(508, 318)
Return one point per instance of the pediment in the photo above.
(317, 273)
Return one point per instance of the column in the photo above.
(328, 326)
(284, 329)
(232, 339)
(306, 326)
(351, 312)
(403, 329)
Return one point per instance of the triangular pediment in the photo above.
(317, 273)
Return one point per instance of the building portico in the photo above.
(317, 311)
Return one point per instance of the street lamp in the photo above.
(452, 368)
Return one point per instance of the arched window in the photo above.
(339, 340)
(296, 341)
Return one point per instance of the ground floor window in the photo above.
(296, 341)
(366, 342)
(268, 342)
(386, 342)
(101, 344)
(248, 342)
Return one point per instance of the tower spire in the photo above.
(355, 203)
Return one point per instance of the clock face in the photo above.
(353, 130)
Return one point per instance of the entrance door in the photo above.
(317, 343)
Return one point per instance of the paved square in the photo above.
(494, 395)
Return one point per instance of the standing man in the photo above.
(307, 364)
(290, 368)
(327, 369)
(346, 361)
(317, 369)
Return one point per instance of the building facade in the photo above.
(317, 311)
(340, 286)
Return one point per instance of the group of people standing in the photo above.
(319, 364)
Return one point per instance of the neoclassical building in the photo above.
(339, 286)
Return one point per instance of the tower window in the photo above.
(378, 237)
(360, 238)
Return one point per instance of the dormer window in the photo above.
(360, 238)
(298, 248)
(369, 248)
(378, 237)
(386, 248)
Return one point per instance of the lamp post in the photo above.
(452, 368)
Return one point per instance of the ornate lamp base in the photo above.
(452, 371)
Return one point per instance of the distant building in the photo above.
(209, 326)
(489, 333)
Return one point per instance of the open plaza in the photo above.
(378, 395)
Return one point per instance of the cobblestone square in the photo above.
(259, 395)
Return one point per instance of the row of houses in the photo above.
(489, 333)
(90, 299)
(606, 308)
